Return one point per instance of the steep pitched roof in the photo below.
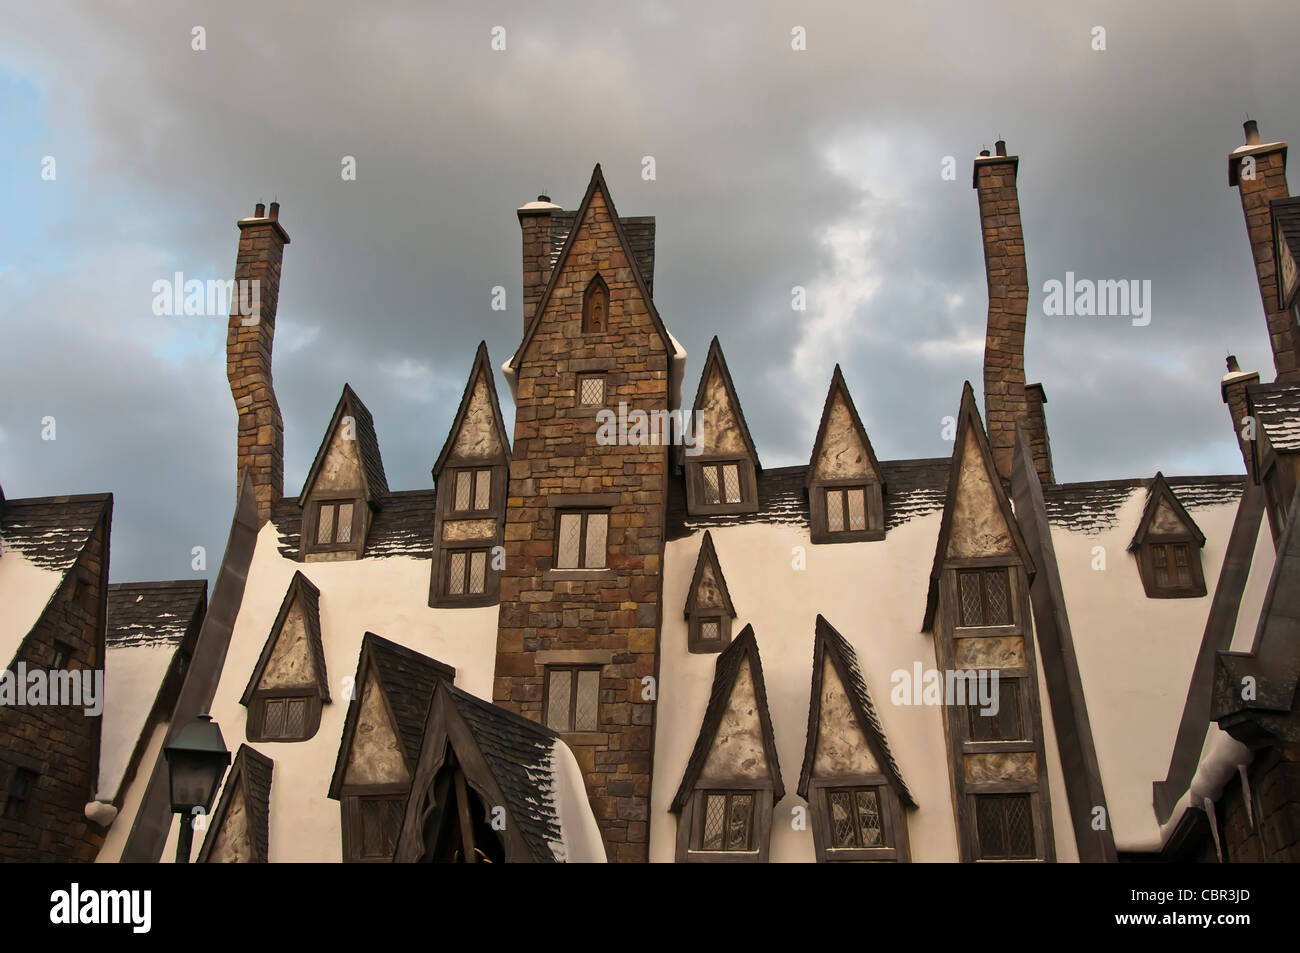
(1159, 492)
(404, 527)
(154, 613)
(251, 774)
(597, 182)
(406, 680)
(970, 424)
(1276, 407)
(742, 651)
(838, 387)
(303, 592)
(828, 643)
(1094, 507)
(640, 231)
(374, 482)
(1286, 227)
(480, 370)
(716, 360)
(708, 560)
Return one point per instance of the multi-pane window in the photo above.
(1004, 824)
(284, 717)
(591, 390)
(710, 629)
(721, 482)
(466, 572)
(855, 818)
(334, 523)
(985, 596)
(728, 821)
(1172, 565)
(572, 698)
(581, 537)
(19, 796)
(473, 491)
(846, 509)
(373, 825)
(1004, 725)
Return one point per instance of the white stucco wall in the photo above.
(25, 590)
(132, 676)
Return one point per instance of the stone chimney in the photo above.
(1036, 431)
(1004, 341)
(1258, 170)
(1233, 390)
(249, 337)
(535, 222)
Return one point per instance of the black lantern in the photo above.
(196, 763)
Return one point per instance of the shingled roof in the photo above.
(1093, 508)
(1277, 408)
(52, 531)
(254, 769)
(403, 526)
(829, 642)
(372, 464)
(154, 613)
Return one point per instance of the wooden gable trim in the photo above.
(968, 420)
(838, 386)
(351, 402)
(482, 366)
(742, 651)
(1160, 490)
(257, 803)
(828, 641)
(299, 587)
(597, 182)
(445, 729)
(708, 556)
(716, 357)
(365, 665)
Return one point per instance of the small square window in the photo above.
(721, 483)
(591, 390)
(466, 572)
(61, 654)
(985, 597)
(572, 698)
(1004, 825)
(1005, 724)
(582, 538)
(283, 717)
(855, 818)
(728, 821)
(334, 524)
(472, 491)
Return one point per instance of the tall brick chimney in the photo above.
(535, 223)
(1036, 431)
(1233, 389)
(1005, 400)
(1258, 170)
(248, 355)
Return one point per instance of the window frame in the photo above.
(311, 529)
(352, 822)
(695, 641)
(573, 668)
(1005, 797)
(696, 500)
(255, 721)
(893, 822)
(61, 654)
(596, 286)
(473, 512)
(466, 595)
(1146, 556)
(585, 512)
(973, 716)
(873, 511)
(960, 609)
(581, 378)
(690, 825)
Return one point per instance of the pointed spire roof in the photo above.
(829, 644)
(374, 482)
(1161, 501)
(250, 779)
(481, 370)
(743, 651)
(302, 592)
(557, 272)
(707, 562)
(840, 390)
(715, 361)
(970, 431)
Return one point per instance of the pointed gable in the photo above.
(384, 727)
(478, 433)
(294, 654)
(239, 829)
(720, 427)
(708, 585)
(845, 737)
(1164, 515)
(977, 519)
(348, 458)
(735, 741)
(842, 450)
(580, 251)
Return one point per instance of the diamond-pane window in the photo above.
(582, 539)
(344, 532)
(720, 483)
(715, 812)
(456, 574)
(381, 822)
(591, 390)
(587, 700)
(1002, 725)
(728, 822)
(275, 717)
(710, 630)
(325, 525)
(854, 818)
(985, 597)
(477, 571)
(857, 506)
(597, 531)
(710, 484)
(572, 698)
(1004, 825)
(464, 481)
(483, 490)
(731, 481)
(559, 698)
(834, 511)
(466, 572)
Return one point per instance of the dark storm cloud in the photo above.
(775, 168)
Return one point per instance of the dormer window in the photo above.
(595, 307)
(721, 482)
(473, 491)
(289, 683)
(1168, 545)
(721, 464)
(335, 524)
(708, 603)
(985, 597)
(845, 482)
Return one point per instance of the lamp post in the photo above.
(196, 762)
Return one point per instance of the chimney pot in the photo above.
(1233, 366)
(1001, 147)
(543, 198)
(259, 210)
(984, 153)
(275, 211)
(1252, 132)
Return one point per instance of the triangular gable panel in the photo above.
(708, 585)
(842, 450)
(845, 737)
(597, 195)
(478, 433)
(239, 828)
(294, 654)
(977, 518)
(720, 422)
(348, 458)
(375, 756)
(735, 739)
(1164, 515)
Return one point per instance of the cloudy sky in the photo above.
(774, 168)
